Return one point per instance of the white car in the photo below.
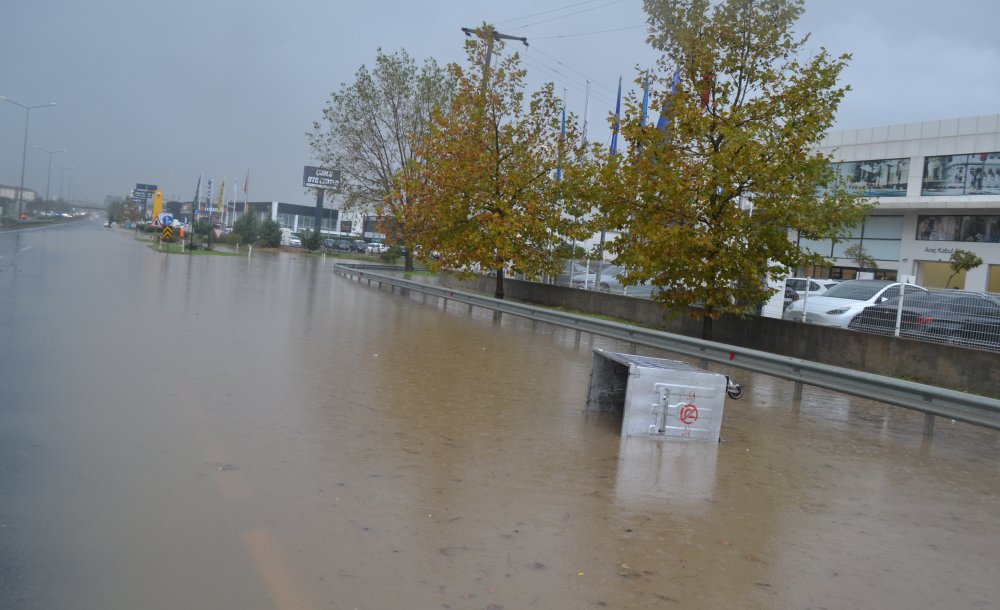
(838, 305)
(815, 287)
(294, 241)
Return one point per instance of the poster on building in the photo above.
(878, 178)
(975, 174)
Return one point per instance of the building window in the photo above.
(877, 178)
(959, 228)
(975, 174)
(880, 236)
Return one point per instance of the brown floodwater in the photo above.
(222, 432)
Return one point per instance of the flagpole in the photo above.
(586, 113)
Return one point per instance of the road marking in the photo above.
(286, 592)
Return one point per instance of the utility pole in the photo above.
(490, 35)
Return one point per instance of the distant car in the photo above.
(377, 247)
(790, 296)
(329, 244)
(948, 316)
(359, 245)
(294, 241)
(838, 305)
(814, 286)
(610, 283)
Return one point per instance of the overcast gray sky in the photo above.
(162, 92)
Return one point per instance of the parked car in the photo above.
(815, 287)
(329, 244)
(790, 296)
(294, 241)
(377, 247)
(838, 305)
(948, 316)
(609, 282)
(359, 245)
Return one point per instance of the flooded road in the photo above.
(218, 432)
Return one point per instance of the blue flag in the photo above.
(661, 124)
(618, 114)
(645, 103)
(562, 140)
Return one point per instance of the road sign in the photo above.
(156, 224)
(168, 232)
(166, 219)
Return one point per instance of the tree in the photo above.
(962, 260)
(482, 191)
(369, 127)
(311, 240)
(860, 257)
(270, 233)
(247, 227)
(705, 202)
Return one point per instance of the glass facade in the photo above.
(942, 227)
(879, 178)
(880, 236)
(975, 174)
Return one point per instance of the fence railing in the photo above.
(930, 400)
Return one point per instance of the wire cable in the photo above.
(551, 10)
(586, 10)
(633, 27)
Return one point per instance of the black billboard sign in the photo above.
(320, 178)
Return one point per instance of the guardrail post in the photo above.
(470, 309)
(797, 392)
(928, 424)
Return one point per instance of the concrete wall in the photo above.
(931, 363)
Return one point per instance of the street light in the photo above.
(62, 178)
(48, 179)
(24, 151)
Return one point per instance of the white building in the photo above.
(10, 192)
(936, 186)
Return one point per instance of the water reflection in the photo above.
(234, 433)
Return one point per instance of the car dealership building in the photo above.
(936, 189)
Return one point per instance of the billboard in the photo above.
(320, 178)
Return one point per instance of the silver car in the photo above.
(838, 305)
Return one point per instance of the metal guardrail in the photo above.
(928, 399)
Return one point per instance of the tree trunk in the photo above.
(706, 326)
(498, 292)
(408, 260)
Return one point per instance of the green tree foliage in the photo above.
(311, 240)
(116, 211)
(482, 191)
(270, 233)
(860, 257)
(247, 227)
(369, 127)
(705, 205)
(962, 260)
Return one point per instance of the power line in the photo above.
(552, 10)
(586, 77)
(586, 10)
(571, 82)
(633, 27)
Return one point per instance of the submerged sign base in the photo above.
(658, 398)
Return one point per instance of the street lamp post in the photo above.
(48, 179)
(62, 178)
(24, 151)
